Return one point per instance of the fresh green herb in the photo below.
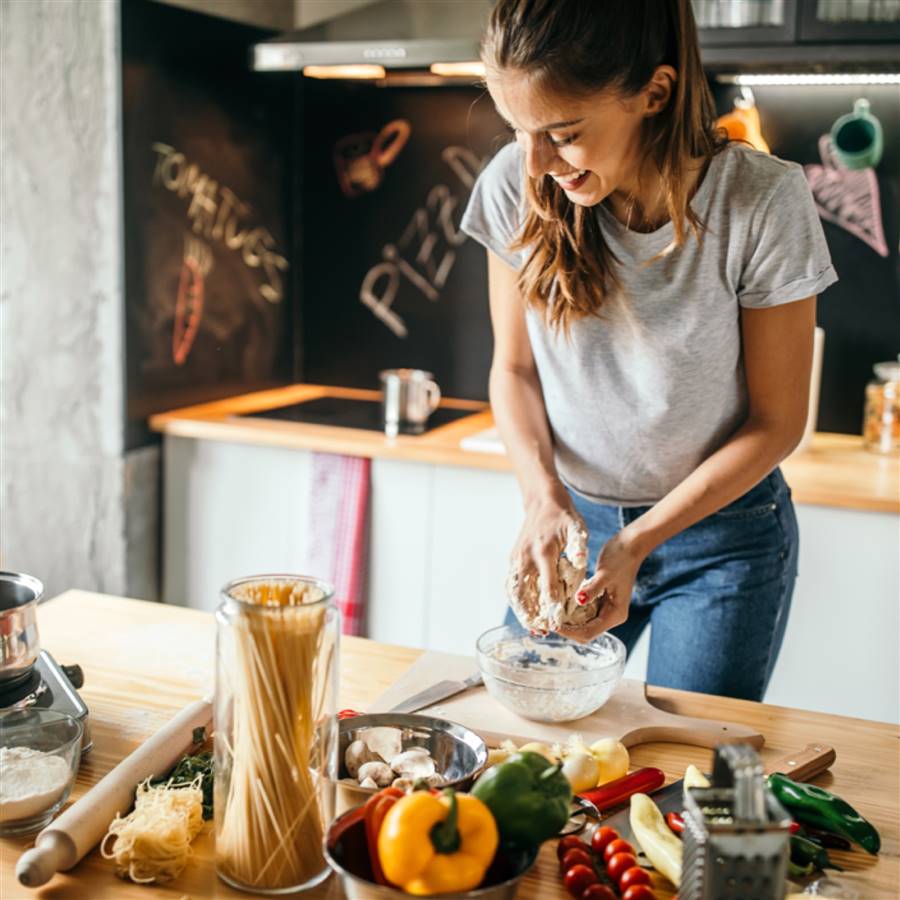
(187, 771)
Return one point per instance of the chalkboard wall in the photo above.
(208, 182)
(387, 277)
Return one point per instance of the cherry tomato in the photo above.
(618, 864)
(598, 892)
(578, 878)
(567, 843)
(602, 836)
(617, 846)
(639, 892)
(634, 875)
(573, 857)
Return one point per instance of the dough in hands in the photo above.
(532, 604)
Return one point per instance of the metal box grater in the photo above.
(736, 834)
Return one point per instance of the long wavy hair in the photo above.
(577, 47)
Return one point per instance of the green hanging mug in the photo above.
(857, 137)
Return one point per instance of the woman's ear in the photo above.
(658, 90)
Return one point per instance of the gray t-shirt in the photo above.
(640, 395)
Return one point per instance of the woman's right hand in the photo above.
(549, 522)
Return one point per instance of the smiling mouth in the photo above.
(571, 180)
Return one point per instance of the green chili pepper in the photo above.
(795, 871)
(804, 851)
(814, 806)
(529, 797)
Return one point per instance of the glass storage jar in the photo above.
(881, 424)
(275, 731)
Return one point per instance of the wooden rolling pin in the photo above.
(63, 843)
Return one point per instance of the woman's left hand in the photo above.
(613, 581)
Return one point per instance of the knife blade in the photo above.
(809, 762)
(443, 690)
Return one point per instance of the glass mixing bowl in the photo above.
(549, 679)
(41, 750)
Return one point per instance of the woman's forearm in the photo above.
(745, 459)
(518, 407)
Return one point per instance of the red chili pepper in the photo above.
(348, 714)
(675, 822)
(794, 828)
(615, 793)
(374, 811)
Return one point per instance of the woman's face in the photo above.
(588, 145)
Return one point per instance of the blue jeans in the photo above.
(717, 595)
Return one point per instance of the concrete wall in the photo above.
(75, 510)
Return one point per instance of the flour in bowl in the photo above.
(30, 782)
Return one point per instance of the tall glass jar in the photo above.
(881, 424)
(275, 722)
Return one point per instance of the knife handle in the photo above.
(809, 762)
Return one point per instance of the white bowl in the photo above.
(549, 679)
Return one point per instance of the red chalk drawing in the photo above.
(848, 198)
(195, 266)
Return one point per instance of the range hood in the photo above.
(395, 34)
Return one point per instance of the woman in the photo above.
(652, 293)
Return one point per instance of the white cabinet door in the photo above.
(230, 510)
(476, 517)
(399, 551)
(840, 650)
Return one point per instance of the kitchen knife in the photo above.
(443, 690)
(809, 762)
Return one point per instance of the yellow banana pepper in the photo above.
(437, 844)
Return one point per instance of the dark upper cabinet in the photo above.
(849, 20)
(745, 23)
(742, 22)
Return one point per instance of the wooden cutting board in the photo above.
(628, 715)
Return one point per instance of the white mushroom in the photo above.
(379, 772)
(358, 754)
(405, 784)
(369, 783)
(435, 781)
(387, 742)
(414, 763)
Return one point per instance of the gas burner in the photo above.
(50, 686)
(23, 692)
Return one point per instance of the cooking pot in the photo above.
(19, 641)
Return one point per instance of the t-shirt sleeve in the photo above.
(787, 256)
(495, 210)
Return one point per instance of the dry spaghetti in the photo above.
(269, 823)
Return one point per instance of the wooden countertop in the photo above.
(834, 471)
(144, 661)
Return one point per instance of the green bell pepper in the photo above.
(528, 796)
(811, 805)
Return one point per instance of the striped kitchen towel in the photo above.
(338, 518)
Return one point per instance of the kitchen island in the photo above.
(144, 661)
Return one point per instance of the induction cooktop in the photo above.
(348, 412)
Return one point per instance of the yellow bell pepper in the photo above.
(437, 844)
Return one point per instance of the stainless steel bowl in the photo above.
(458, 753)
(19, 641)
(347, 854)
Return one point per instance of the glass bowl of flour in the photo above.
(549, 679)
(40, 750)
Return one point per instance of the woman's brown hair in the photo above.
(581, 46)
